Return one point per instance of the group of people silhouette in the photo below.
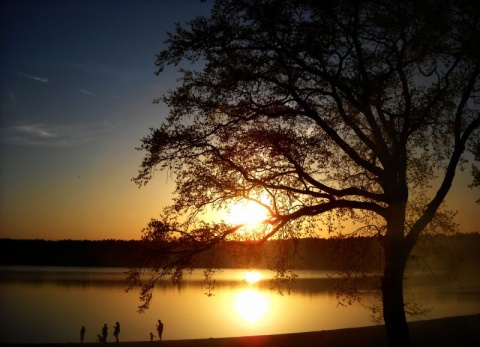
(116, 331)
(102, 338)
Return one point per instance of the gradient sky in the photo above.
(77, 84)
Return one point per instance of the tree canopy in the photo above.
(319, 111)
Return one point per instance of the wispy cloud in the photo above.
(86, 92)
(35, 130)
(35, 78)
(43, 135)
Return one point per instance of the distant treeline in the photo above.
(106, 253)
(326, 254)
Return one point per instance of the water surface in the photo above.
(50, 304)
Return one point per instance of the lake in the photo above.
(50, 304)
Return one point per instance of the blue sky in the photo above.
(77, 85)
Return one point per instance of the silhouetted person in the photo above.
(82, 334)
(105, 332)
(160, 329)
(151, 337)
(116, 331)
(101, 339)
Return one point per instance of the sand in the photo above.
(463, 331)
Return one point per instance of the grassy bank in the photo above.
(463, 331)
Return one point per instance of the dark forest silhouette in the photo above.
(319, 254)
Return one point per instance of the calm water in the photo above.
(50, 304)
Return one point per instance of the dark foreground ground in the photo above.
(461, 331)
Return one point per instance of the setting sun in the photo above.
(246, 213)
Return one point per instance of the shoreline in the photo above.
(459, 331)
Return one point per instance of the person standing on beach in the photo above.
(116, 331)
(82, 333)
(105, 332)
(160, 329)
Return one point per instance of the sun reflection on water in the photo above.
(251, 305)
(252, 276)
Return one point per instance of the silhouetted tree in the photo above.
(320, 111)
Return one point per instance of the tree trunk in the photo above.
(398, 334)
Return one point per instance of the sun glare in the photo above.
(251, 305)
(252, 276)
(249, 213)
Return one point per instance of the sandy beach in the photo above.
(463, 331)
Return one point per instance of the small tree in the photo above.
(318, 111)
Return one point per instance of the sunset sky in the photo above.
(77, 84)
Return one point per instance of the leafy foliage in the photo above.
(321, 112)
